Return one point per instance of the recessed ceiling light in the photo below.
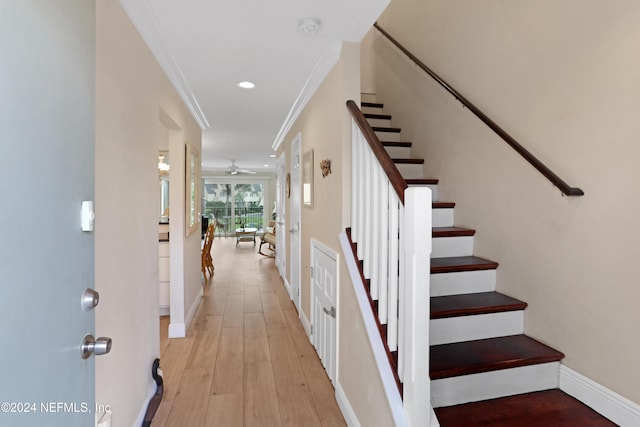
(309, 25)
(266, 166)
(272, 155)
(247, 85)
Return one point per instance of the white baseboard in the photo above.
(610, 404)
(287, 286)
(165, 311)
(345, 406)
(306, 325)
(143, 411)
(193, 309)
(177, 330)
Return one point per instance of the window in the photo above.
(235, 205)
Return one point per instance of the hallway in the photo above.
(246, 360)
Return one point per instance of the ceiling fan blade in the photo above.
(245, 171)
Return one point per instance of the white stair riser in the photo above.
(379, 122)
(434, 192)
(463, 282)
(494, 384)
(452, 246)
(442, 217)
(388, 136)
(371, 110)
(410, 170)
(476, 327)
(368, 97)
(399, 152)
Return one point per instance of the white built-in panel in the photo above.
(164, 278)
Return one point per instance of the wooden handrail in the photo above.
(397, 181)
(541, 167)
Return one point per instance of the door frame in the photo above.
(295, 221)
(281, 217)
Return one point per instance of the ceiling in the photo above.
(206, 47)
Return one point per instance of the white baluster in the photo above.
(383, 309)
(375, 235)
(392, 322)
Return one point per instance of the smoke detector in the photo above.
(309, 25)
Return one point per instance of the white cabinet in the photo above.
(164, 273)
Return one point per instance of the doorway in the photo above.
(236, 203)
(324, 296)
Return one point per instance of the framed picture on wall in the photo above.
(191, 180)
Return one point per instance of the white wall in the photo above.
(130, 91)
(325, 126)
(562, 78)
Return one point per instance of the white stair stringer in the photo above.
(463, 282)
(452, 246)
(476, 327)
(494, 384)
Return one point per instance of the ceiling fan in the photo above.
(235, 170)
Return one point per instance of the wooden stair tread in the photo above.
(451, 231)
(376, 116)
(385, 129)
(538, 409)
(492, 354)
(422, 181)
(371, 104)
(396, 144)
(472, 304)
(409, 161)
(461, 263)
(443, 205)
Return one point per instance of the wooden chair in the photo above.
(207, 261)
(269, 237)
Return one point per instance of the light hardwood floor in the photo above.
(246, 360)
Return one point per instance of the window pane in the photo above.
(249, 206)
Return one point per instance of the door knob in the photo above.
(99, 346)
(331, 312)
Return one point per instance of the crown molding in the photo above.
(324, 65)
(145, 21)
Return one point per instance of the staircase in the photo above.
(478, 349)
